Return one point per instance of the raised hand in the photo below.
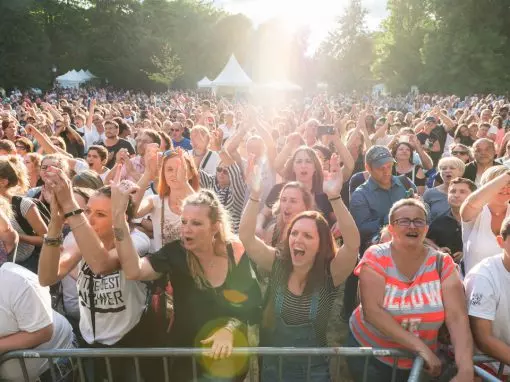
(333, 179)
(253, 177)
(58, 182)
(57, 215)
(216, 139)
(121, 193)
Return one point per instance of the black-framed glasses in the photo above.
(460, 153)
(221, 170)
(406, 222)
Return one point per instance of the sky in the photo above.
(320, 15)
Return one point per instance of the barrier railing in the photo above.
(165, 353)
(484, 374)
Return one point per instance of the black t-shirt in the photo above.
(199, 312)
(445, 231)
(113, 150)
(321, 201)
(439, 134)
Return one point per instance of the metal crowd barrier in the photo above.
(484, 374)
(164, 353)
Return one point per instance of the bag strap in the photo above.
(405, 182)
(439, 264)
(206, 159)
(23, 223)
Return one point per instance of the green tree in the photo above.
(467, 54)
(398, 48)
(168, 65)
(345, 58)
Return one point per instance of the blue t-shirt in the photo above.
(185, 144)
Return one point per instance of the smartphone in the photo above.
(326, 130)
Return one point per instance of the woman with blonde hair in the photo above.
(215, 294)
(437, 198)
(33, 165)
(27, 220)
(205, 159)
(483, 213)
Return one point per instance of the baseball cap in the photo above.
(377, 156)
(430, 119)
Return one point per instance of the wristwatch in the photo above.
(53, 241)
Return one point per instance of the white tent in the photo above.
(74, 79)
(204, 83)
(232, 76)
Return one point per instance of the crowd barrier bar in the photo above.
(165, 353)
(484, 374)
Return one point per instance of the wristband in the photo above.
(72, 213)
(255, 200)
(53, 241)
(335, 198)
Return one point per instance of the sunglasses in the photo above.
(175, 130)
(459, 153)
(221, 170)
(168, 152)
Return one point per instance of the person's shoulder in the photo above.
(14, 273)
(487, 267)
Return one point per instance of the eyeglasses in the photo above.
(221, 170)
(175, 130)
(460, 153)
(21, 147)
(406, 222)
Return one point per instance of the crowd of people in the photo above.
(190, 220)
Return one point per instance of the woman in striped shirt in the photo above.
(305, 276)
(407, 291)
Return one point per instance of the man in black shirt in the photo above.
(445, 231)
(113, 143)
(433, 136)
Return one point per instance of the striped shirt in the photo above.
(232, 196)
(416, 304)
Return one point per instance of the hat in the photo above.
(430, 119)
(377, 156)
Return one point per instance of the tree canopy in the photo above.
(439, 45)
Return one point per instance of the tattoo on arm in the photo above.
(118, 233)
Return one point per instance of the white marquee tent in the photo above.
(74, 79)
(232, 76)
(204, 83)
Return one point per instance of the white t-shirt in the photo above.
(211, 164)
(487, 285)
(227, 133)
(171, 225)
(26, 306)
(118, 303)
(478, 238)
(91, 135)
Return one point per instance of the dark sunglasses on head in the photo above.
(459, 153)
(221, 170)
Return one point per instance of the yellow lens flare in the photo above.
(228, 367)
